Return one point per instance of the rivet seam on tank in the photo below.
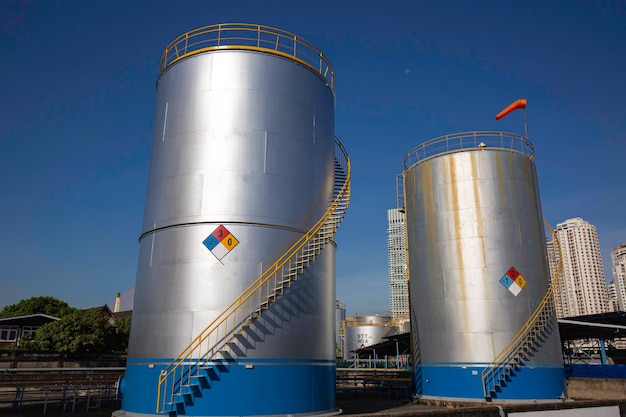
(220, 242)
(513, 281)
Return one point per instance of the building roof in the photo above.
(594, 326)
(391, 346)
(126, 314)
(37, 319)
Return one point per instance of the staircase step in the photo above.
(226, 356)
(192, 389)
(177, 407)
(183, 398)
(211, 373)
(203, 380)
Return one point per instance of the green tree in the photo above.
(77, 332)
(44, 305)
(118, 339)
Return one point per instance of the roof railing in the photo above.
(249, 37)
(469, 141)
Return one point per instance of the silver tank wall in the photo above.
(471, 216)
(357, 337)
(235, 143)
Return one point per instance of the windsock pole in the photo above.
(525, 125)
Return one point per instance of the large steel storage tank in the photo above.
(483, 328)
(244, 167)
(364, 330)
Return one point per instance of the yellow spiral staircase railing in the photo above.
(212, 351)
(515, 353)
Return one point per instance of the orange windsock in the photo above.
(516, 105)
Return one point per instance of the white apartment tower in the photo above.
(582, 289)
(613, 304)
(618, 260)
(398, 271)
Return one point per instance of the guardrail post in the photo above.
(45, 400)
(19, 398)
(64, 398)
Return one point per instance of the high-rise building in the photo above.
(582, 289)
(613, 302)
(618, 260)
(398, 271)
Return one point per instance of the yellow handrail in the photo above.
(232, 309)
(252, 37)
(521, 335)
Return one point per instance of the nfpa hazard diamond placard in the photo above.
(513, 281)
(220, 242)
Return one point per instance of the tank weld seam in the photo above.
(255, 224)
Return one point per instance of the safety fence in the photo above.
(69, 389)
(383, 382)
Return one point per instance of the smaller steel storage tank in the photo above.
(477, 261)
(366, 330)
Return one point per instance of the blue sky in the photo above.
(77, 98)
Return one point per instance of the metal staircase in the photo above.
(524, 343)
(211, 352)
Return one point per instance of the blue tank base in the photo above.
(531, 383)
(336, 411)
(259, 387)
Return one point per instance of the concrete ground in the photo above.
(351, 407)
(356, 405)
